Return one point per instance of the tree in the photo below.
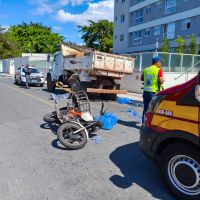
(34, 38)
(98, 35)
(181, 44)
(193, 45)
(165, 45)
(8, 49)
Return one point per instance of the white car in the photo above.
(36, 77)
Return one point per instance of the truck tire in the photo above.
(111, 96)
(179, 166)
(75, 85)
(50, 84)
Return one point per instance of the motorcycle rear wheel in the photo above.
(50, 117)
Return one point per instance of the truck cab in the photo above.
(171, 136)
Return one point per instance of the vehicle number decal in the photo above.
(165, 112)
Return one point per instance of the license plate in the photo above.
(34, 81)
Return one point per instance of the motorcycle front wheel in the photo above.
(70, 140)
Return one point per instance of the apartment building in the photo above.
(141, 25)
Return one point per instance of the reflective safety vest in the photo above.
(151, 79)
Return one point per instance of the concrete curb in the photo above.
(133, 96)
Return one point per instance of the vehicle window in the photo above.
(34, 70)
(19, 68)
(189, 99)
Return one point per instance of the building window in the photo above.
(186, 23)
(169, 30)
(147, 32)
(139, 16)
(123, 1)
(122, 18)
(158, 6)
(157, 30)
(170, 6)
(121, 37)
(148, 10)
(132, 19)
(116, 1)
(115, 37)
(115, 18)
(137, 37)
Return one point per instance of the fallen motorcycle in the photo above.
(75, 119)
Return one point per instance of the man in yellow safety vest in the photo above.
(153, 79)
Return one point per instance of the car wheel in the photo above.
(42, 84)
(19, 82)
(16, 83)
(179, 165)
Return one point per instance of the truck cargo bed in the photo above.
(102, 62)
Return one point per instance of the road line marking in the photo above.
(29, 95)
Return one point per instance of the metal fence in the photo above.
(172, 62)
(39, 64)
(42, 65)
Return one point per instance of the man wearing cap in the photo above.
(153, 79)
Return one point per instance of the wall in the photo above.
(132, 83)
(17, 63)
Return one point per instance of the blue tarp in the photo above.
(108, 120)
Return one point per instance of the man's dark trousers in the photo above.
(147, 96)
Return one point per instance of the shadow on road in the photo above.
(51, 126)
(56, 144)
(137, 169)
(131, 124)
(57, 91)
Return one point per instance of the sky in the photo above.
(63, 16)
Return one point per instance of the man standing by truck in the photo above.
(27, 72)
(153, 79)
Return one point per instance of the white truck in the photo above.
(89, 70)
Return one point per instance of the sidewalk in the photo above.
(5, 75)
(133, 96)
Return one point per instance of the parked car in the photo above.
(36, 77)
(171, 136)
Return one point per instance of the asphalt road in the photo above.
(34, 166)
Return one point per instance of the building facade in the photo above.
(141, 25)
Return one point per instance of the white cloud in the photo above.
(44, 9)
(96, 11)
(6, 27)
(49, 6)
(57, 28)
(3, 16)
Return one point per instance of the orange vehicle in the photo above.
(171, 136)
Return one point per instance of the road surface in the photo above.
(34, 166)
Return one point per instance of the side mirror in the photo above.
(197, 89)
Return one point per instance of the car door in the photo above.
(188, 110)
(18, 71)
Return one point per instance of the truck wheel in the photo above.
(179, 165)
(50, 84)
(75, 85)
(110, 96)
